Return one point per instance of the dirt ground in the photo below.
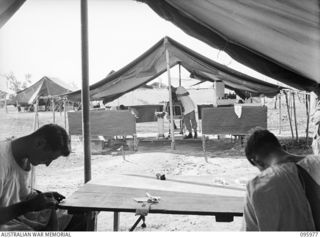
(227, 164)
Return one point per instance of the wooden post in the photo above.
(280, 114)
(290, 105)
(35, 127)
(53, 110)
(65, 112)
(85, 91)
(289, 116)
(5, 103)
(295, 115)
(170, 95)
(179, 75)
(204, 147)
(308, 117)
(36, 116)
(116, 221)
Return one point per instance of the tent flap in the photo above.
(280, 39)
(8, 8)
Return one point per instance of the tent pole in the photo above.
(280, 113)
(53, 111)
(85, 91)
(36, 116)
(289, 116)
(170, 95)
(5, 103)
(308, 118)
(295, 115)
(179, 74)
(65, 112)
(35, 127)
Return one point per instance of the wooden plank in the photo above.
(201, 107)
(105, 123)
(188, 184)
(92, 197)
(224, 121)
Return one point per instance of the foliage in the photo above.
(15, 84)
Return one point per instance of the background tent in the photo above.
(280, 39)
(152, 63)
(45, 87)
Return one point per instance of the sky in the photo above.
(43, 39)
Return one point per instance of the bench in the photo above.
(104, 125)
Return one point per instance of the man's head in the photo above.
(261, 148)
(47, 144)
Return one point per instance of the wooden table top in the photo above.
(193, 195)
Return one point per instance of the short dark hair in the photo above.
(56, 138)
(260, 142)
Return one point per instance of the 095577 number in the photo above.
(309, 234)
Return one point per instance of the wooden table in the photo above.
(185, 195)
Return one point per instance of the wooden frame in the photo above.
(224, 121)
(105, 123)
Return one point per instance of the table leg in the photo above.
(116, 221)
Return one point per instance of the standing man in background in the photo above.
(189, 115)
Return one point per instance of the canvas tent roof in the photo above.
(44, 87)
(280, 39)
(8, 8)
(152, 63)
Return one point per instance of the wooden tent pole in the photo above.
(5, 103)
(170, 95)
(179, 74)
(35, 127)
(290, 106)
(280, 114)
(308, 117)
(53, 110)
(295, 115)
(289, 116)
(65, 112)
(85, 91)
(36, 116)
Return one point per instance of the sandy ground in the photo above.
(227, 163)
